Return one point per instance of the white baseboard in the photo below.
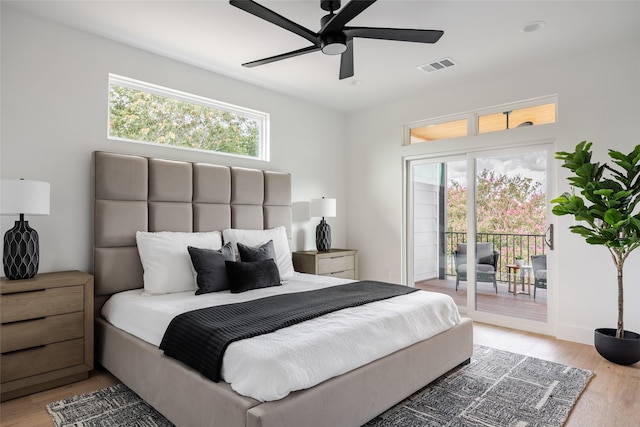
(574, 333)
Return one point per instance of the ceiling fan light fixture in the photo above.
(334, 44)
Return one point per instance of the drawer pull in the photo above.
(30, 291)
(24, 349)
(24, 321)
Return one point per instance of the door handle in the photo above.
(549, 232)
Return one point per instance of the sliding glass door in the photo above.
(510, 224)
(435, 219)
(498, 201)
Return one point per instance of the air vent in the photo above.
(440, 64)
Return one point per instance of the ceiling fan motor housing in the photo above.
(333, 43)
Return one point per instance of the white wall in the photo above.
(601, 104)
(54, 114)
(54, 109)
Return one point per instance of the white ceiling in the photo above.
(482, 37)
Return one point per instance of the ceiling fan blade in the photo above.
(279, 20)
(399, 34)
(346, 14)
(281, 56)
(346, 61)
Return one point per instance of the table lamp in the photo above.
(323, 208)
(21, 253)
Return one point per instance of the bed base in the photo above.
(136, 193)
(187, 398)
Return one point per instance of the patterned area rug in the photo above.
(112, 406)
(497, 388)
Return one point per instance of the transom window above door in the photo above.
(501, 118)
(519, 117)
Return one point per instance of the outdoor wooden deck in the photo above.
(505, 303)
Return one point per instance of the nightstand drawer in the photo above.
(336, 264)
(25, 363)
(341, 263)
(46, 330)
(346, 274)
(41, 303)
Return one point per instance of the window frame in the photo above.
(472, 118)
(438, 121)
(552, 99)
(262, 118)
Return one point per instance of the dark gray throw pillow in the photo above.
(259, 253)
(209, 264)
(245, 276)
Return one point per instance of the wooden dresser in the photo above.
(46, 332)
(341, 263)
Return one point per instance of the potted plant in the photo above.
(519, 260)
(606, 206)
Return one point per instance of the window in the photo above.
(517, 117)
(435, 129)
(146, 113)
(527, 113)
(444, 130)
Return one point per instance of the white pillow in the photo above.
(259, 237)
(166, 261)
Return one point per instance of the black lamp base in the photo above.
(323, 236)
(21, 251)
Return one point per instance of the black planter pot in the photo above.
(622, 351)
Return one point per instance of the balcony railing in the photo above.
(509, 246)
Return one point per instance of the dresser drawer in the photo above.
(25, 363)
(336, 264)
(44, 330)
(41, 303)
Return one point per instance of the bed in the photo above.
(135, 193)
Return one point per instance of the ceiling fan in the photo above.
(334, 37)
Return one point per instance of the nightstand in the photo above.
(46, 332)
(341, 263)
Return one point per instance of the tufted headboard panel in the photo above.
(135, 193)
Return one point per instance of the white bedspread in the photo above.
(271, 366)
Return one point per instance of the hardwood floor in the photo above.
(31, 411)
(504, 303)
(611, 399)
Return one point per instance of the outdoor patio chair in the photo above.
(485, 266)
(539, 265)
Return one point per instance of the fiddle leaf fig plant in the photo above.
(606, 205)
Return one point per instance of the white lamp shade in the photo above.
(322, 207)
(21, 196)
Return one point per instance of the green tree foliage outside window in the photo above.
(513, 206)
(504, 204)
(141, 116)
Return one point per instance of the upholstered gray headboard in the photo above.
(135, 193)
